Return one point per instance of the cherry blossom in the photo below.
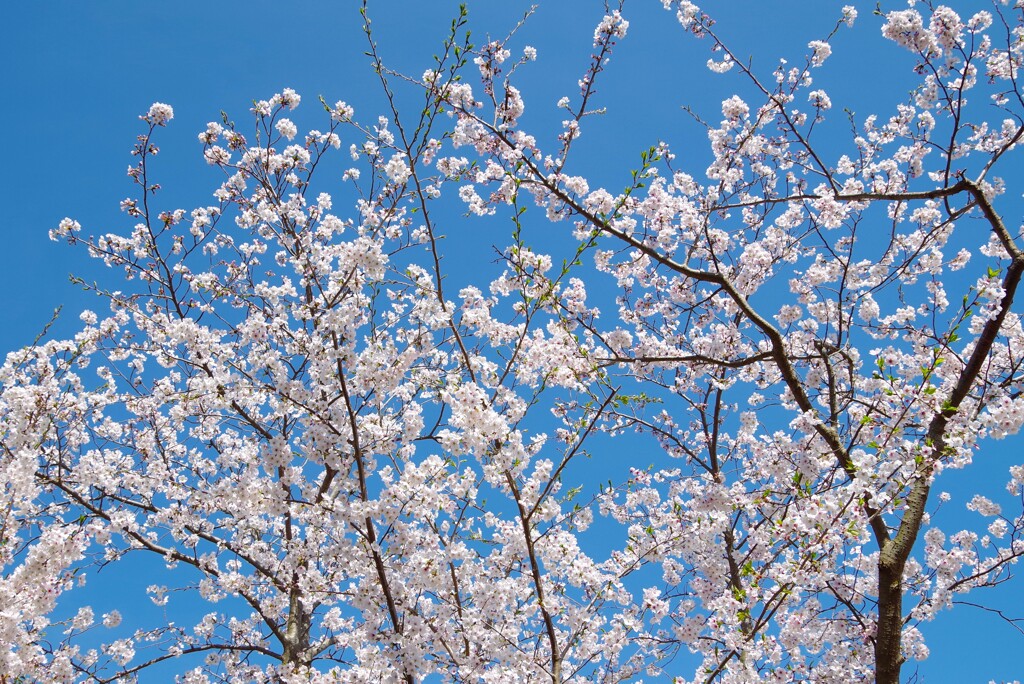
(293, 411)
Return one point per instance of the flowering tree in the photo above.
(361, 473)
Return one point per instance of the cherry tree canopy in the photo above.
(681, 428)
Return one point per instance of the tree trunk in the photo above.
(296, 633)
(888, 639)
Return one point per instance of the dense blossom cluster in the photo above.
(367, 476)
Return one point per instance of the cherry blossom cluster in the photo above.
(365, 468)
(889, 379)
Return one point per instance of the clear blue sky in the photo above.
(78, 73)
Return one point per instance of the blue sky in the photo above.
(78, 74)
